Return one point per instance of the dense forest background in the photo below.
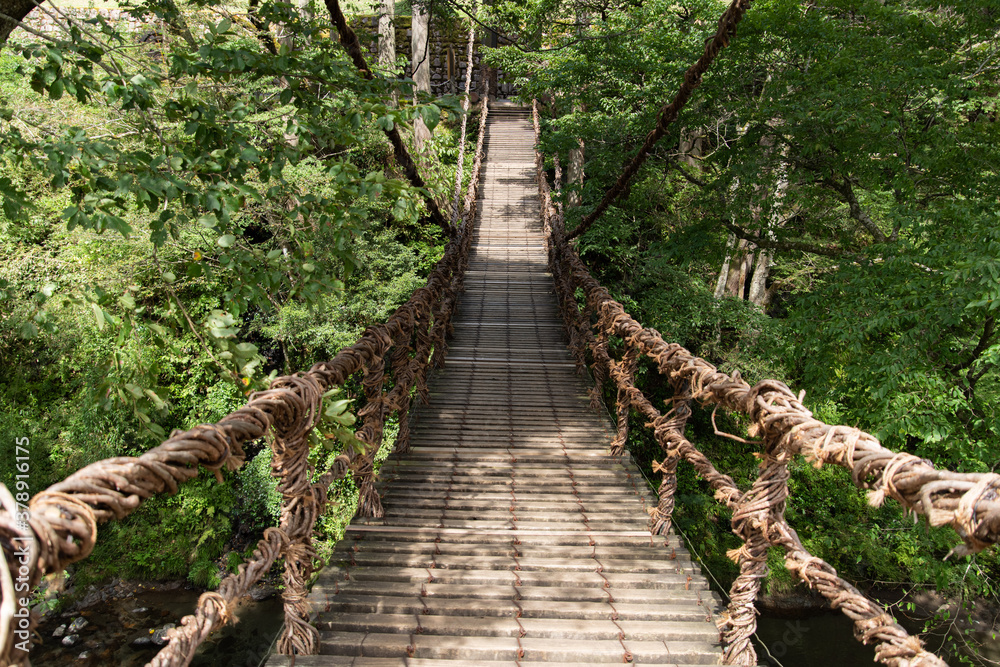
(825, 214)
(185, 217)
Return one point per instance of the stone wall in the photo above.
(42, 20)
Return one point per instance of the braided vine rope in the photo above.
(61, 526)
(969, 502)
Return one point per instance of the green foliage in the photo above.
(181, 223)
(167, 537)
(391, 264)
(259, 496)
(910, 340)
(253, 198)
(857, 144)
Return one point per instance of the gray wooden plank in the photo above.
(511, 537)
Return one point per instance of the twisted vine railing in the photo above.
(59, 526)
(785, 428)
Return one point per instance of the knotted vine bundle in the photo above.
(785, 428)
(390, 358)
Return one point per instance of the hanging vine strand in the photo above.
(668, 114)
(969, 502)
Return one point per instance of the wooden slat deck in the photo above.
(510, 536)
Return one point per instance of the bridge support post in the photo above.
(626, 367)
(757, 512)
(404, 371)
(369, 502)
(669, 432)
(301, 504)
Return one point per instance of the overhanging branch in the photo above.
(769, 244)
(692, 79)
(846, 190)
(350, 42)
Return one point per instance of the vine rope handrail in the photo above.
(969, 502)
(60, 525)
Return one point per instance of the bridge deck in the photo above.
(510, 536)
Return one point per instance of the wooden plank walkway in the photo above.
(510, 536)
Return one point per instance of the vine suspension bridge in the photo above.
(509, 526)
(509, 533)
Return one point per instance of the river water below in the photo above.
(823, 640)
(115, 627)
(827, 640)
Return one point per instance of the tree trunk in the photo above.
(759, 294)
(261, 26)
(452, 62)
(739, 267)
(283, 35)
(305, 10)
(16, 10)
(490, 73)
(306, 14)
(386, 35)
(420, 66)
(575, 174)
(492, 85)
(690, 147)
(720, 283)
(387, 41)
(758, 283)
